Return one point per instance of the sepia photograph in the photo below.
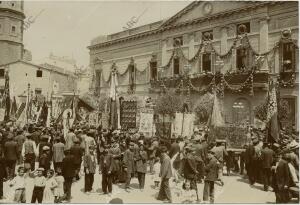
(149, 102)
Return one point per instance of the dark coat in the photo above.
(77, 151)
(89, 164)
(45, 161)
(2, 168)
(282, 175)
(11, 150)
(141, 162)
(249, 154)
(211, 170)
(267, 156)
(128, 161)
(68, 166)
(166, 167)
(189, 167)
(106, 163)
(174, 149)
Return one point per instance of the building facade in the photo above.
(11, 31)
(237, 46)
(44, 81)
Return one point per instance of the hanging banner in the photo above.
(105, 120)
(178, 123)
(184, 124)
(188, 124)
(128, 114)
(93, 119)
(146, 123)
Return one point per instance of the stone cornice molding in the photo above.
(166, 27)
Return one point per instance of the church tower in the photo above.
(11, 31)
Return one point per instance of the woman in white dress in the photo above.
(51, 184)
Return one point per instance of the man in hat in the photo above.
(211, 175)
(58, 153)
(190, 167)
(45, 159)
(249, 154)
(89, 163)
(20, 139)
(115, 151)
(89, 141)
(106, 168)
(220, 153)
(200, 153)
(70, 139)
(29, 151)
(165, 174)
(267, 158)
(282, 179)
(129, 164)
(77, 152)
(11, 155)
(68, 172)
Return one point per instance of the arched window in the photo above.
(241, 111)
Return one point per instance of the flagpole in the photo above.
(28, 88)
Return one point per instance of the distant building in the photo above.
(11, 31)
(83, 80)
(43, 80)
(65, 62)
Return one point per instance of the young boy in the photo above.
(89, 169)
(39, 186)
(19, 185)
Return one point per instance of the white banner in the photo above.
(146, 123)
(178, 123)
(184, 124)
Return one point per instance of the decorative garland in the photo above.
(290, 83)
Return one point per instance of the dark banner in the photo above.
(128, 114)
(236, 137)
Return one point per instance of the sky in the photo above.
(66, 28)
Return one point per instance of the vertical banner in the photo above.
(178, 123)
(188, 124)
(184, 124)
(105, 120)
(146, 123)
(93, 119)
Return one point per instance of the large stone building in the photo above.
(11, 31)
(236, 45)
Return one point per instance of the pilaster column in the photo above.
(192, 48)
(224, 37)
(164, 52)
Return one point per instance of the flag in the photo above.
(6, 98)
(216, 119)
(44, 113)
(272, 114)
(113, 105)
(14, 108)
(21, 115)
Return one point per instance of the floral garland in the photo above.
(289, 83)
(248, 83)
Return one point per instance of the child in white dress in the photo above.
(188, 195)
(59, 190)
(51, 184)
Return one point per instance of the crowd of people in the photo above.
(54, 162)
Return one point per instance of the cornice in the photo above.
(165, 27)
(13, 11)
